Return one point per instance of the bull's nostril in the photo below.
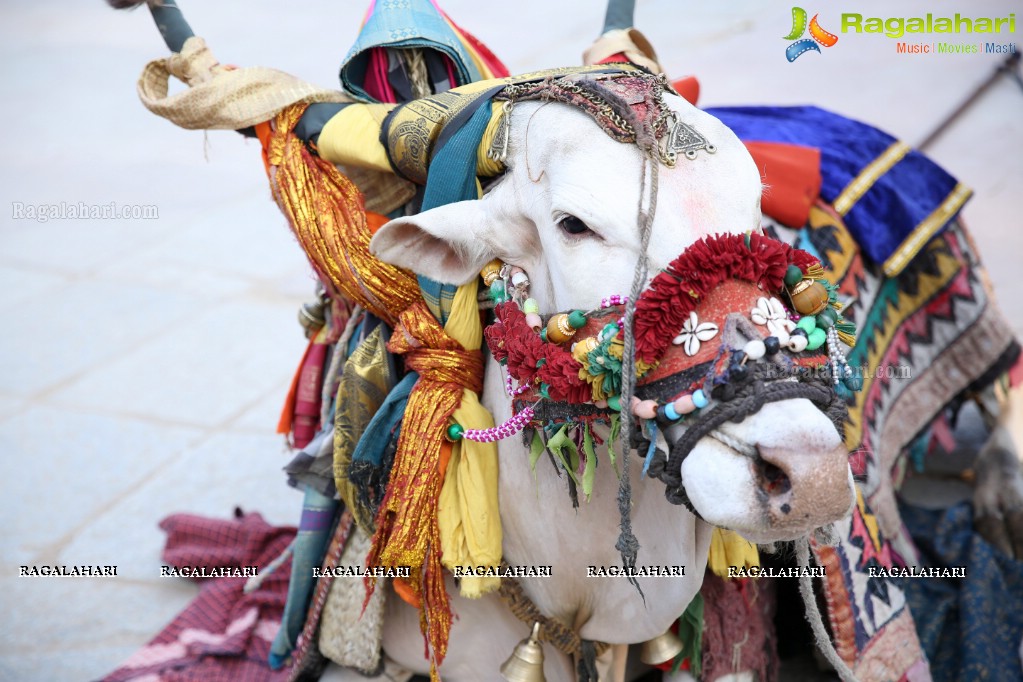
(773, 480)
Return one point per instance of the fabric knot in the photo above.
(432, 353)
(463, 368)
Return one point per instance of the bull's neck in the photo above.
(541, 527)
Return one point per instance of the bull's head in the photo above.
(566, 211)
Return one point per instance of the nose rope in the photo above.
(813, 613)
(729, 441)
(764, 387)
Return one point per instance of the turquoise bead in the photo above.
(615, 403)
(793, 275)
(455, 432)
(700, 399)
(816, 339)
(497, 290)
(807, 324)
(577, 319)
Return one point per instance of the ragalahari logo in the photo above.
(817, 35)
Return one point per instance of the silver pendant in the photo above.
(684, 139)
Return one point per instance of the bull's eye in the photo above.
(573, 225)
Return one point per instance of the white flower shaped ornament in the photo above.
(771, 313)
(693, 333)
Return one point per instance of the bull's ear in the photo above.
(443, 243)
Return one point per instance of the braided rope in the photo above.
(763, 387)
(552, 630)
(813, 613)
(419, 77)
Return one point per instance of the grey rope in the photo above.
(627, 543)
(813, 614)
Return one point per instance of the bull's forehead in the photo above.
(565, 165)
(573, 168)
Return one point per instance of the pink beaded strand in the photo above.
(513, 392)
(613, 299)
(515, 424)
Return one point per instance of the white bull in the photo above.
(566, 212)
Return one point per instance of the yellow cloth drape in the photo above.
(728, 548)
(468, 512)
(408, 525)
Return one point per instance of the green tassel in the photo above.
(563, 448)
(846, 332)
(536, 449)
(612, 442)
(690, 631)
(590, 468)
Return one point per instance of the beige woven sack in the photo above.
(228, 98)
(349, 636)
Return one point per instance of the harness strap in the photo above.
(748, 399)
(552, 630)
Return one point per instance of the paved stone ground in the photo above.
(143, 362)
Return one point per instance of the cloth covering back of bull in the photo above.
(397, 140)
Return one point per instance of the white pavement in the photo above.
(143, 361)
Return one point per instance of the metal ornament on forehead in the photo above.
(626, 106)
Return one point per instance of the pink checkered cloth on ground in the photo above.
(224, 634)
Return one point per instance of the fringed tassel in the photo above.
(815, 271)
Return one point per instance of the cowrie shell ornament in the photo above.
(693, 333)
(771, 313)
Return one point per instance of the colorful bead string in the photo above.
(495, 433)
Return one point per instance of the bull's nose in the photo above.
(773, 482)
(801, 487)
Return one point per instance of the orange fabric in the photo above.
(402, 588)
(288, 411)
(793, 175)
(374, 221)
(688, 87)
(406, 592)
(407, 533)
(445, 456)
(263, 133)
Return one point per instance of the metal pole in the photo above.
(620, 14)
(168, 17)
(1009, 66)
(171, 22)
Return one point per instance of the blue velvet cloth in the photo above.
(969, 627)
(888, 213)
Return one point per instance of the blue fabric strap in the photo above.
(452, 177)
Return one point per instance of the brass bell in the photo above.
(311, 317)
(661, 649)
(526, 662)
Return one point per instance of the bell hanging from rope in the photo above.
(660, 649)
(526, 662)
